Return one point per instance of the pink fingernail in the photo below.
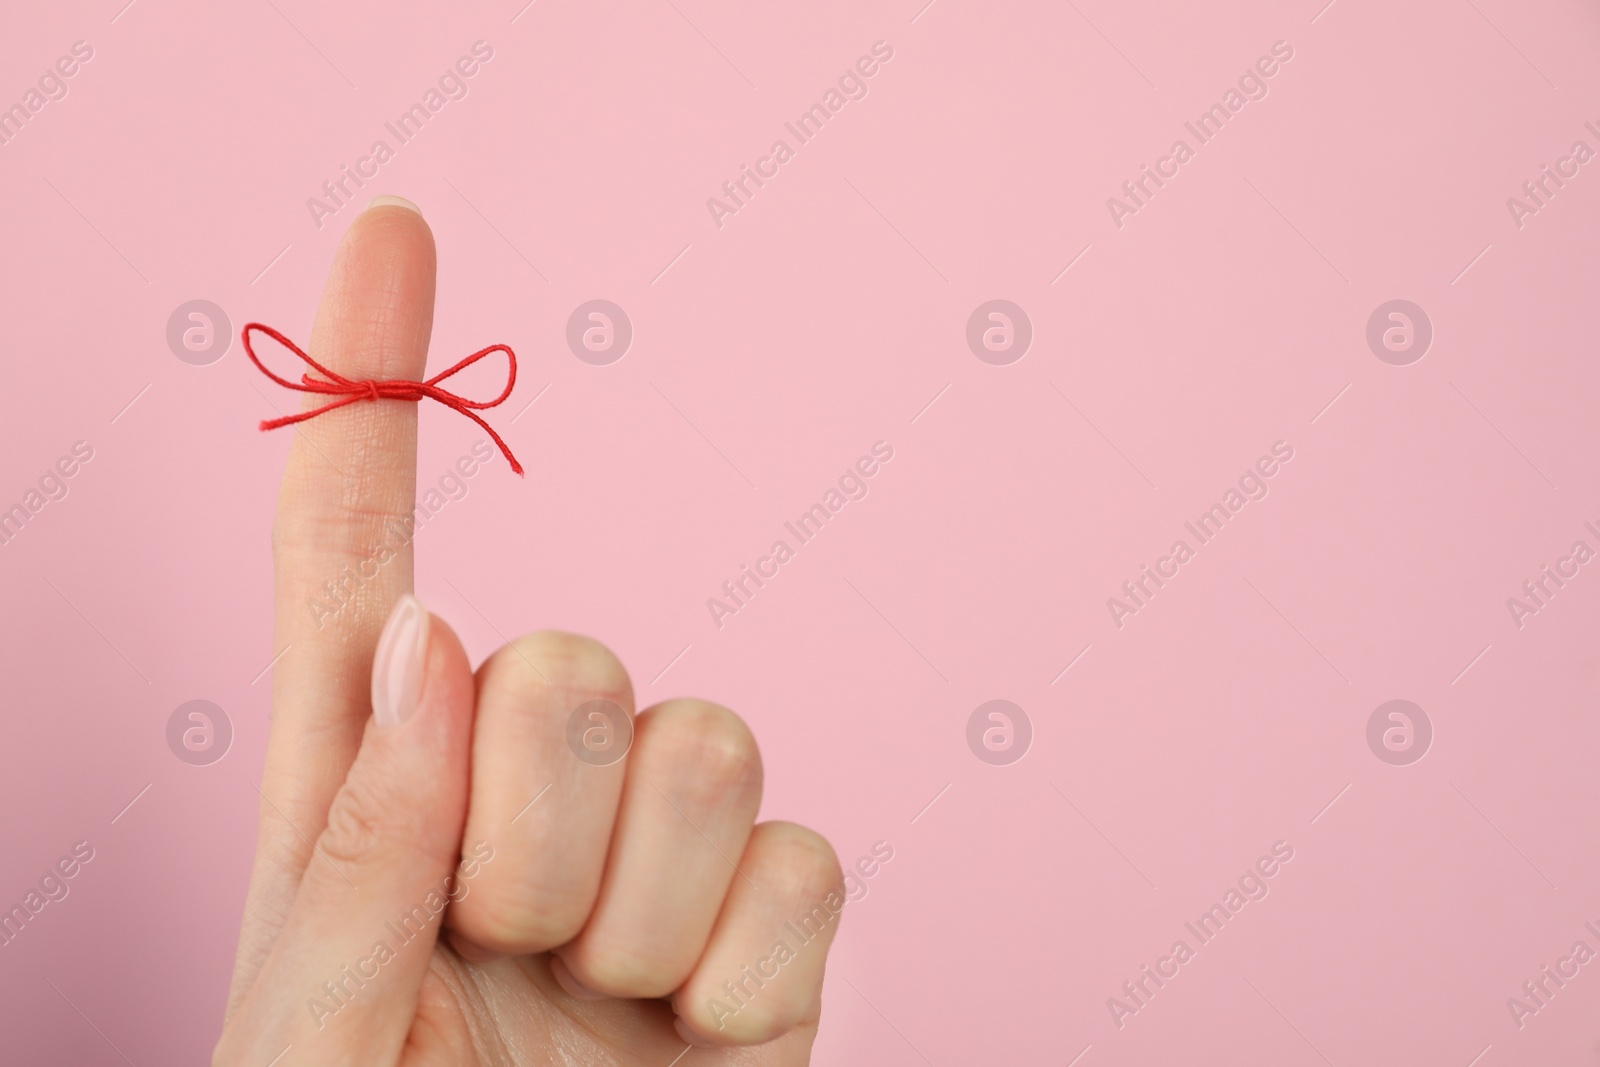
(397, 667)
(392, 201)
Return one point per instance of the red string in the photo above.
(367, 389)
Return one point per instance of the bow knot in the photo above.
(350, 392)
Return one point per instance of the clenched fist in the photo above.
(441, 876)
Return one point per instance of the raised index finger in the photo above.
(341, 547)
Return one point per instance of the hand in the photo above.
(589, 914)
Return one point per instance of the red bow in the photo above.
(351, 391)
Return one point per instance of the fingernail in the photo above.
(468, 951)
(397, 668)
(574, 988)
(689, 1035)
(392, 201)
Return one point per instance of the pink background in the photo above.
(824, 316)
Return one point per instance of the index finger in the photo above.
(341, 548)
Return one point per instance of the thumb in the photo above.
(341, 984)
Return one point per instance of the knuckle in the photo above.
(360, 821)
(505, 917)
(708, 745)
(618, 971)
(747, 1006)
(551, 659)
(756, 1023)
(799, 858)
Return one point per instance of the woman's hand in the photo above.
(439, 877)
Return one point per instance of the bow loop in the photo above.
(511, 376)
(349, 392)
